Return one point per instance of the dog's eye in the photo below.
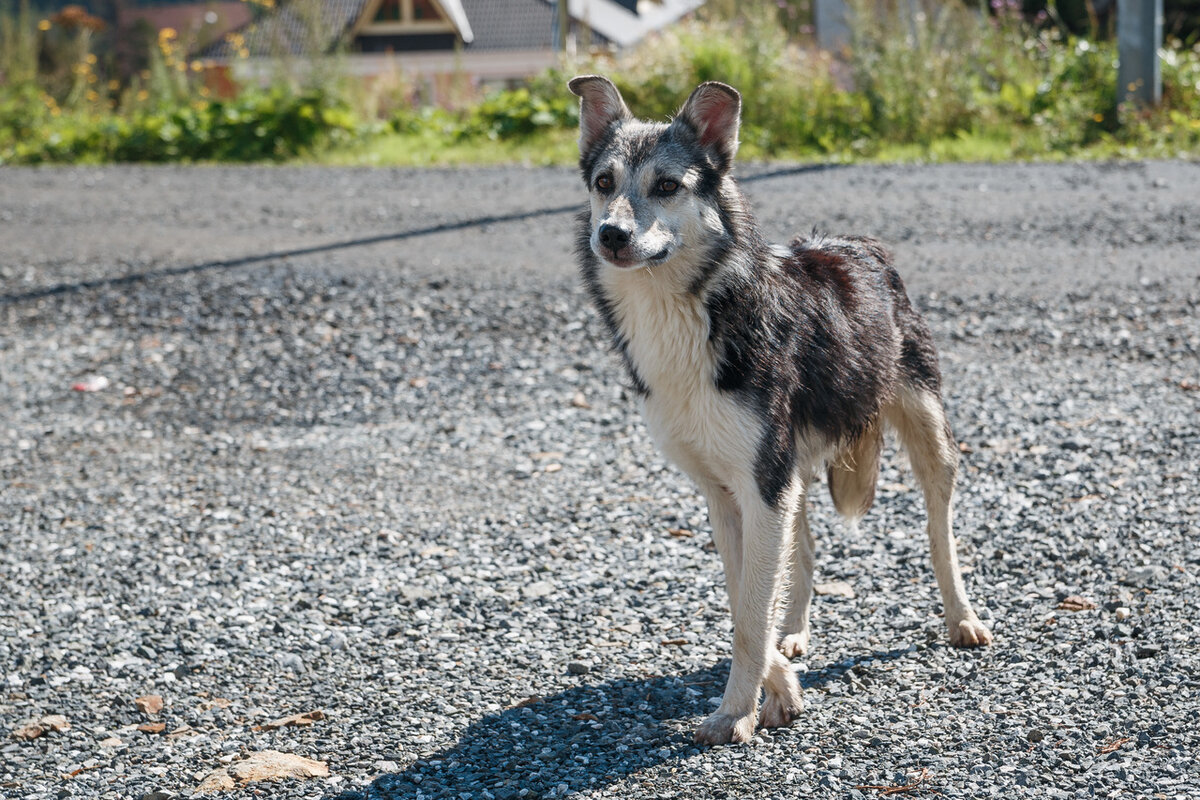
(604, 183)
(667, 186)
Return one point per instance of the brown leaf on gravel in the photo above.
(1113, 746)
(1076, 603)
(268, 765)
(834, 589)
(294, 720)
(586, 717)
(216, 702)
(152, 727)
(886, 791)
(39, 727)
(680, 533)
(149, 704)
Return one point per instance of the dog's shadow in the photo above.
(587, 737)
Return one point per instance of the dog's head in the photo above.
(655, 187)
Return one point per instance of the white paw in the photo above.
(794, 644)
(780, 710)
(970, 633)
(725, 728)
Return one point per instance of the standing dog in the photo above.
(757, 364)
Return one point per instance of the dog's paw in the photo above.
(779, 710)
(794, 644)
(970, 633)
(725, 728)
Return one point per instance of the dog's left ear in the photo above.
(600, 106)
(714, 112)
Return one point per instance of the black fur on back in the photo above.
(818, 343)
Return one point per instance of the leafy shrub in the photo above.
(257, 126)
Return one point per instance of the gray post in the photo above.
(1139, 34)
(829, 18)
(562, 25)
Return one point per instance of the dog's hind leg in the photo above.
(795, 624)
(919, 418)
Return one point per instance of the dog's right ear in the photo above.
(600, 105)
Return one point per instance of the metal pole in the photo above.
(1139, 35)
(829, 18)
(564, 22)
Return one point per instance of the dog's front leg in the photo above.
(766, 535)
(726, 520)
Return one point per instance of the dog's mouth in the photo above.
(630, 263)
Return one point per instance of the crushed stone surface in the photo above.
(336, 463)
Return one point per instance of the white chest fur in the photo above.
(710, 434)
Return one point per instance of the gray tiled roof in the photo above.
(284, 30)
(510, 24)
(495, 25)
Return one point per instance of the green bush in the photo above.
(256, 126)
(507, 114)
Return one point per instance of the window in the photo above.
(389, 11)
(424, 10)
(409, 13)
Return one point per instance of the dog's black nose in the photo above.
(613, 238)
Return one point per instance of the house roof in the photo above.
(286, 31)
(511, 24)
(481, 24)
(620, 25)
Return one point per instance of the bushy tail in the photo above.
(853, 474)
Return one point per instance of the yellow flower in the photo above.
(113, 85)
(143, 96)
(44, 25)
(1098, 117)
(92, 96)
(197, 66)
(167, 33)
(91, 58)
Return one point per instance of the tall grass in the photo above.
(923, 78)
(916, 73)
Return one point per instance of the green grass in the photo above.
(429, 148)
(558, 148)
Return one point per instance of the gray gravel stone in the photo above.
(344, 468)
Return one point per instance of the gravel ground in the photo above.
(362, 452)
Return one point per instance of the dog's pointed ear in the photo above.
(600, 105)
(714, 112)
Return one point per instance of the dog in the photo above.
(757, 364)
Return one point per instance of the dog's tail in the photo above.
(853, 474)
